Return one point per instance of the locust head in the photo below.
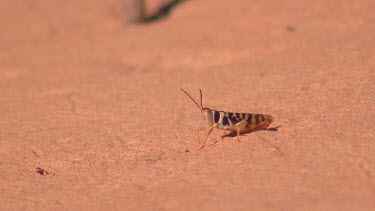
(206, 112)
(207, 116)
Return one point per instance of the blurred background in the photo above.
(92, 116)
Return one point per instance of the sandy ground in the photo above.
(94, 101)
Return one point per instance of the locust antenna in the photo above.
(200, 107)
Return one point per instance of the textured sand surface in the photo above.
(95, 101)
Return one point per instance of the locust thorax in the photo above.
(207, 115)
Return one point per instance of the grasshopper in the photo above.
(238, 123)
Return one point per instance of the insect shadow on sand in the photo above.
(272, 129)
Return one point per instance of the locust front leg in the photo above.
(208, 134)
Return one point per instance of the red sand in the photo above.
(96, 104)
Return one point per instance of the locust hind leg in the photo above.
(241, 127)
